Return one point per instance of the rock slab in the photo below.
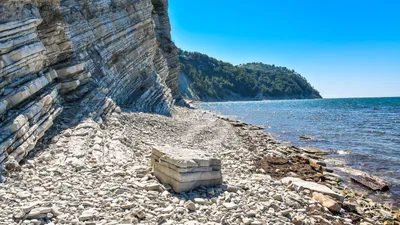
(185, 169)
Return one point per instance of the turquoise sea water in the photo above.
(363, 132)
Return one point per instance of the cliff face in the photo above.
(85, 56)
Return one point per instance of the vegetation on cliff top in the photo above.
(212, 79)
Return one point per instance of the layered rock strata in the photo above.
(185, 169)
(89, 55)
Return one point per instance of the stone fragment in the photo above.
(152, 187)
(326, 202)
(386, 214)
(230, 205)
(277, 197)
(88, 215)
(300, 184)
(251, 213)
(23, 194)
(200, 201)
(38, 213)
(140, 214)
(349, 206)
(190, 206)
(19, 215)
(232, 188)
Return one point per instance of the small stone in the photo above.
(87, 215)
(200, 201)
(191, 206)
(117, 110)
(246, 221)
(128, 205)
(350, 207)
(168, 209)
(326, 202)
(119, 173)
(23, 194)
(231, 188)
(251, 213)
(38, 213)
(277, 197)
(140, 214)
(12, 165)
(152, 187)
(19, 215)
(68, 133)
(386, 214)
(55, 211)
(167, 187)
(35, 222)
(230, 205)
(285, 212)
(39, 189)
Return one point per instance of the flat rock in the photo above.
(185, 158)
(178, 186)
(230, 205)
(190, 176)
(87, 215)
(327, 202)
(23, 194)
(301, 184)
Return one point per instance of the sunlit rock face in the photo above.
(90, 55)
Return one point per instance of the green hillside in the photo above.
(207, 79)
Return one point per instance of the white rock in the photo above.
(230, 205)
(23, 194)
(191, 206)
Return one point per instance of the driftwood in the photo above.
(370, 181)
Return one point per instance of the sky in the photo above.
(344, 48)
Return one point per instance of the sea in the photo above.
(363, 133)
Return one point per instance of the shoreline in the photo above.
(336, 160)
(322, 161)
(100, 173)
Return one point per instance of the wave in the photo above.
(342, 152)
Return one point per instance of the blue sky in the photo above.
(344, 48)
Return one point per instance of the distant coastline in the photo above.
(207, 79)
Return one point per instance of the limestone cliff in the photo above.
(88, 56)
